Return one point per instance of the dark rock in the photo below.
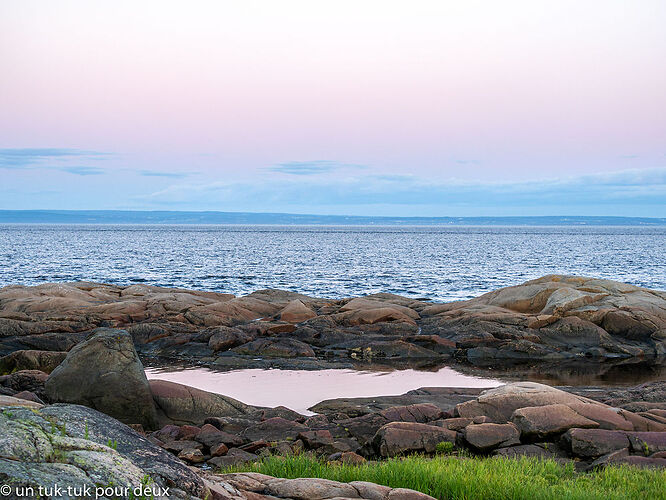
(234, 456)
(45, 361)
(210, 436)
(397, 438)
(592, 443)
(524, 450)
(647, 443)
(486, 437)
(316, 439)
(105, 373)
(223, 338)
(422, 413)
(276, 347)
(278, 411)
(273, 429)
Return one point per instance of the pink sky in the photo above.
(219, 92)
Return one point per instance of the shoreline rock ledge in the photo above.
(552, 318)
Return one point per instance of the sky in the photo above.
(421, 108)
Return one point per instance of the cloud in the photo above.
(628, 188)
(311, 167)
(174, 175)
(26, 157)
(82, 170)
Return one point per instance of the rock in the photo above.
(444, 398)
(363, 428)
(551, 318)
(87, 448)
(542, 421)
(105, 373)
(178, 446)
(486, 437)
(523, 450)
(606, 417)
(145, 333)
(234, 456)
(454, 424)
(26, 380)
(609, 458)
(371, 490)
(181, 404)
(500, 403)
(296, 312)
(647, 443)
(422, 413)
(397, 438)
(191, 455)
(313, 489)
(276, 347)
(642, 462)
(45, 361)
(273, 429)
(211, 437)
(278, 411)
(30, 396)
(310, 489)
(351, 458)
(7, 401)
(223, 338)
(316, 439)
(592, 443)
(218, 450)
(555, 316)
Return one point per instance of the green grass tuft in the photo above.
(478, 478)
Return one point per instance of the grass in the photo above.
(479, 478)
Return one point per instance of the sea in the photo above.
(438, 263)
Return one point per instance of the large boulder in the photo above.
(71, 445)
(105, 373)
(499, 404)
(397, 438)
(181, 404)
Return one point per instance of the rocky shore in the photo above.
(554, 319)
(76, 408)
(65, 427)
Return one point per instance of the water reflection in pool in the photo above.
(301, 389)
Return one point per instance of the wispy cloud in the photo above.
(26, 157)
(614, 189)
(82, 170)
(311, 167)
(174, 175)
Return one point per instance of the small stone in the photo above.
(191, 455)
(219, 450)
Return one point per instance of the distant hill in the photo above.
(173, 217)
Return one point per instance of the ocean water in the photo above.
(441, 263)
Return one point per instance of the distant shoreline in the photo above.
(249, 218)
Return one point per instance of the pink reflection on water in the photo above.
(301, 389)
